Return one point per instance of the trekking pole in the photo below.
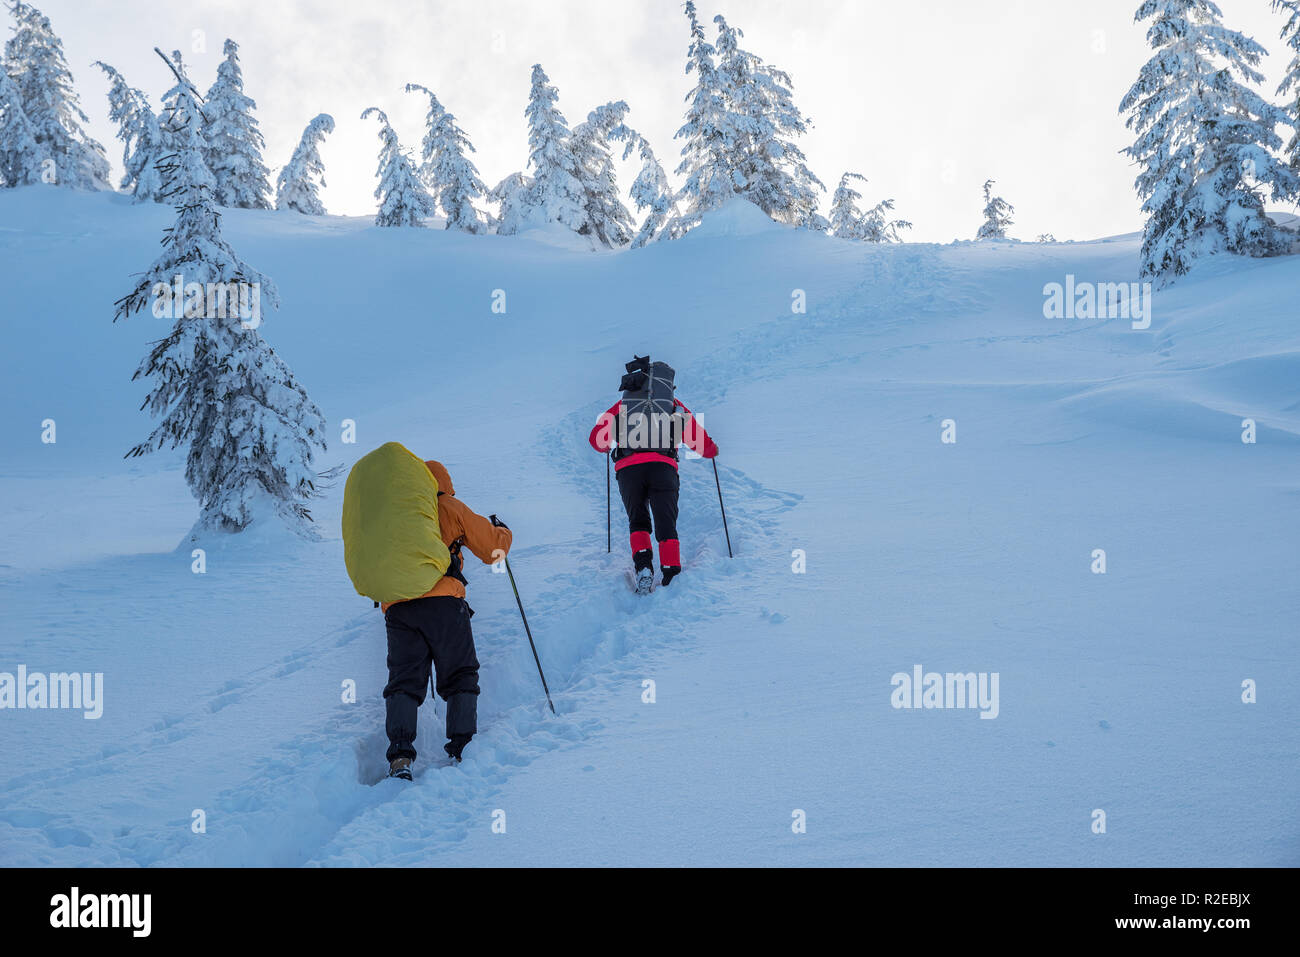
(527, 630)
(609, 521)
(718, 483)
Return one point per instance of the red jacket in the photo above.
(693, 437)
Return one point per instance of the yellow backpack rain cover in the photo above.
(391, 542)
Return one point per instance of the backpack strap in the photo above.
(456, 569)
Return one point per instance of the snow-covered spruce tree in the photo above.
(403, 200)
(176, 139)
(21, 157)
(846, 217)
(513, 197)
(650, 190)
(1290, 84)
(740, 128)
(605, 217)
(181, 129)
(235, 143)
(997, 215)
(1204, 141)
(141, 136)
(33, 58)
(250, 428)
(557, 193)
(768, 167)
(849, 222)
(710, 181)
(298, 185)
(877, 227)
(446, 168)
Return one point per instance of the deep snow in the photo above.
(1119, 692)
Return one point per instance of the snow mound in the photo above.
(739, 217)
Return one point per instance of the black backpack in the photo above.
(648, 421)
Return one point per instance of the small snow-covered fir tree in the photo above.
(21, 157)
(848, 221)
(176, 139)
(651, 189)
(846, 217)
(141, 136)
(557, 192)
(1290, 85)
(182, 137)
(403, 200)
(1204, 141)
(299, 183)
(605, 217)
(34, 60)
(446, 168)
(217, 388)
(235, 143)
(705, 153)
(877, 227)
(997, 215)
(513, 196)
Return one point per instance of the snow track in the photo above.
(319, 796)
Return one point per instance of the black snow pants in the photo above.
(422, 634)
(650, 489)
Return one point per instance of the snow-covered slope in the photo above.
(1119, 692)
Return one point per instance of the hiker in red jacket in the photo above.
(644, 429)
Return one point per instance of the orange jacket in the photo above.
(461, 525)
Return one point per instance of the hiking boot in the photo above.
(645, 581)
(400, 768)
(456, 745)
(671, 572)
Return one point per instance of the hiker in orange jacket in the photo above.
(433, 632)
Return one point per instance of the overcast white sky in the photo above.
(926, 99)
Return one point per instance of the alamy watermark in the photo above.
(36, 691)
(212, 300)
(931, 689)
(74, 910)
(1098, 300)
(640, 431)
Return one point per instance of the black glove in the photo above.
(498, 523)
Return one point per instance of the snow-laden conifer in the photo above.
(141, 135)
(997, 215)
(216, 387)
(299, 184)
(1290, 85)
(605, 217)
(513, 198)
(21, 157)
(403, 200)
(234, 141)
(651, 191)
(446, 168)
(740, 134)
(848, 221)
(34, 60)
(557, 192)
(1205, 141)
